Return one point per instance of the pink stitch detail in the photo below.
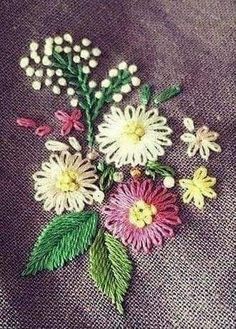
(26, 122)
(43, 130)
(69, 121)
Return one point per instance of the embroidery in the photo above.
(202, 141)
(200, 186)
(136, 206)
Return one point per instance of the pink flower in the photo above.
(141, 214)
(44, 130)
(69, 121)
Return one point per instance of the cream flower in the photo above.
(133, 136)
(65, 182)
(203, 141)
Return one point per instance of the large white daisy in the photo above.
(65, 182)
(133, 136)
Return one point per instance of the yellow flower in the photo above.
(198, 187)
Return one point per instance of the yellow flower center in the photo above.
(67, 181)
(142, 214)
(134, 131)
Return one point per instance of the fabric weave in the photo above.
(187, 284)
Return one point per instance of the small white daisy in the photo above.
(65, 182)
(133, 136)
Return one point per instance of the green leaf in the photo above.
(155, 168)
(167, 94)
(106, 177)
(110, 267)
(145, 94)
(64, 238)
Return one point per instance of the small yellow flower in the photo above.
(198, 187)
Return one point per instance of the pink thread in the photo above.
(69, 121)
(26, 122)
(117, 214)
(43, 130)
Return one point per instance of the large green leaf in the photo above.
(167, 94)
(64, 238)
(110, 267)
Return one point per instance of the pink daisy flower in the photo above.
(141, 214)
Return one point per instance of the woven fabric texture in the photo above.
(189, 283)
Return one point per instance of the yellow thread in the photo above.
(142, 214)
(198, 187)
(134, 131)
(67, 181)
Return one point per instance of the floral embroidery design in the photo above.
(141, 214)
(133, 136)
(202, 141)
(66, 182)
(198, 187)
(80, 181)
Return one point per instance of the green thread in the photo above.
(64, 238)
(167, 94)
(110, 267)
(86, 95)
(154, 168)
(106, 175)
(145, 94)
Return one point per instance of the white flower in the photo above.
(65, 182)
(118, 176)
(117, 98)
(98, 196)
(58, 40)
(74, 102)
(125, 89)
(105, 83)
(67, 50)
(77, 48)
(85, 42)
(58, 49)
(48, 49)
(113, 73)
(203, 141)
(76, 59)
(24, 62)
(135, 81)
(29, 71)
(84, 54)
(70, 91)
(33, 54)
(39, 73)
(67, 37)
(122, 66)
(96, 52)
(48, 82)
(37, 59)
(46, 61)
(34, 46)
(132, 68)
(50, 73)
(56, 90)
(36, 85)
(62, 82)
(86, 69)
(59, 72)
(93, 63)
(169, 182)
(49, 40)
(98, 94)
(92, 84)
(133, 136)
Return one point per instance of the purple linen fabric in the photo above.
(186, 285)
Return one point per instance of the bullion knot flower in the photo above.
(69, 121)
(198, 187)
(133, 136)
(202, 141)
(141, 214)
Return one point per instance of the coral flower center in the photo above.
(67, 181)
(134, 131)
(142, 214)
